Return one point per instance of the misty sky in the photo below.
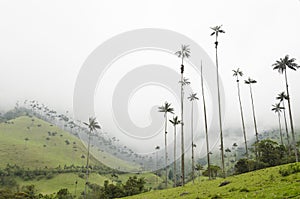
(43, 45)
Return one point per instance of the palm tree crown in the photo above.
(237, 73)
(166, 108)
(184, 82)
(250, 81)
(217, 30)
(193, 96)
(282, 96)
(175, 121)
(184, 52)
(92, 124)
(282, 64)
(277, 108)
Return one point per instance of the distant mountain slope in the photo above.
(34, 143)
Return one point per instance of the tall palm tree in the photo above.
(277, 109)
(205, 125)
(192, 97)
(250, 81)
(281, 97)
(175, 122)
(281, 65)
(238, 73)
(93, 126)
(183, 53)
(166, 108)
(216, 31)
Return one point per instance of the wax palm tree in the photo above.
(183, 53)
(281, 97)
(250, 81)
(205, 125)
(175, 122)
(166, 108)
(92, 126)
(238, 73)
(216, 31)
(192, 97)
(282, 65)
(277, 109)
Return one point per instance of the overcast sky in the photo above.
(43, 45)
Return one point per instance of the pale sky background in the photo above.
(43, 45)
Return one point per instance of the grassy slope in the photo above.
(33, 154)
(39, 152)
(265, 183)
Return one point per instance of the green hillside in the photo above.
(33, 143)
(265, 183)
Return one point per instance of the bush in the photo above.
(291, 169)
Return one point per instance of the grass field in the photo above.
(265, 183)
(33, 143)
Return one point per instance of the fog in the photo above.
(44, 44)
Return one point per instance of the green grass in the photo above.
(265, 183)
(40, 152)
(43, 150)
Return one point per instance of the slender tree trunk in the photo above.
(242, 117)
(279, 122)
(192, 134)
(254, 120)
(166, 152)
(87, 166)
(205, 125)
(156, 167)
(220, 116)
(174, 175)
(291, 118)
(182, 135)
(286, 128)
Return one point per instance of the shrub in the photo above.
(291, 169)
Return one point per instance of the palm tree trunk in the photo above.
(192, 134)
(87, 166)
(182, 135)
(156, 167)
(254, 120)
(205, 125)
(286, 128)
(166, 152)
(220, 116)
(291, 118)
(242, 117)
(279, 122)
(174, 173)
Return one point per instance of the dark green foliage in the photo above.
(244, 165)
(215, 171)
(30, 192)
(291, 169)
(64, 194)
(270, 152)
(132, 186)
